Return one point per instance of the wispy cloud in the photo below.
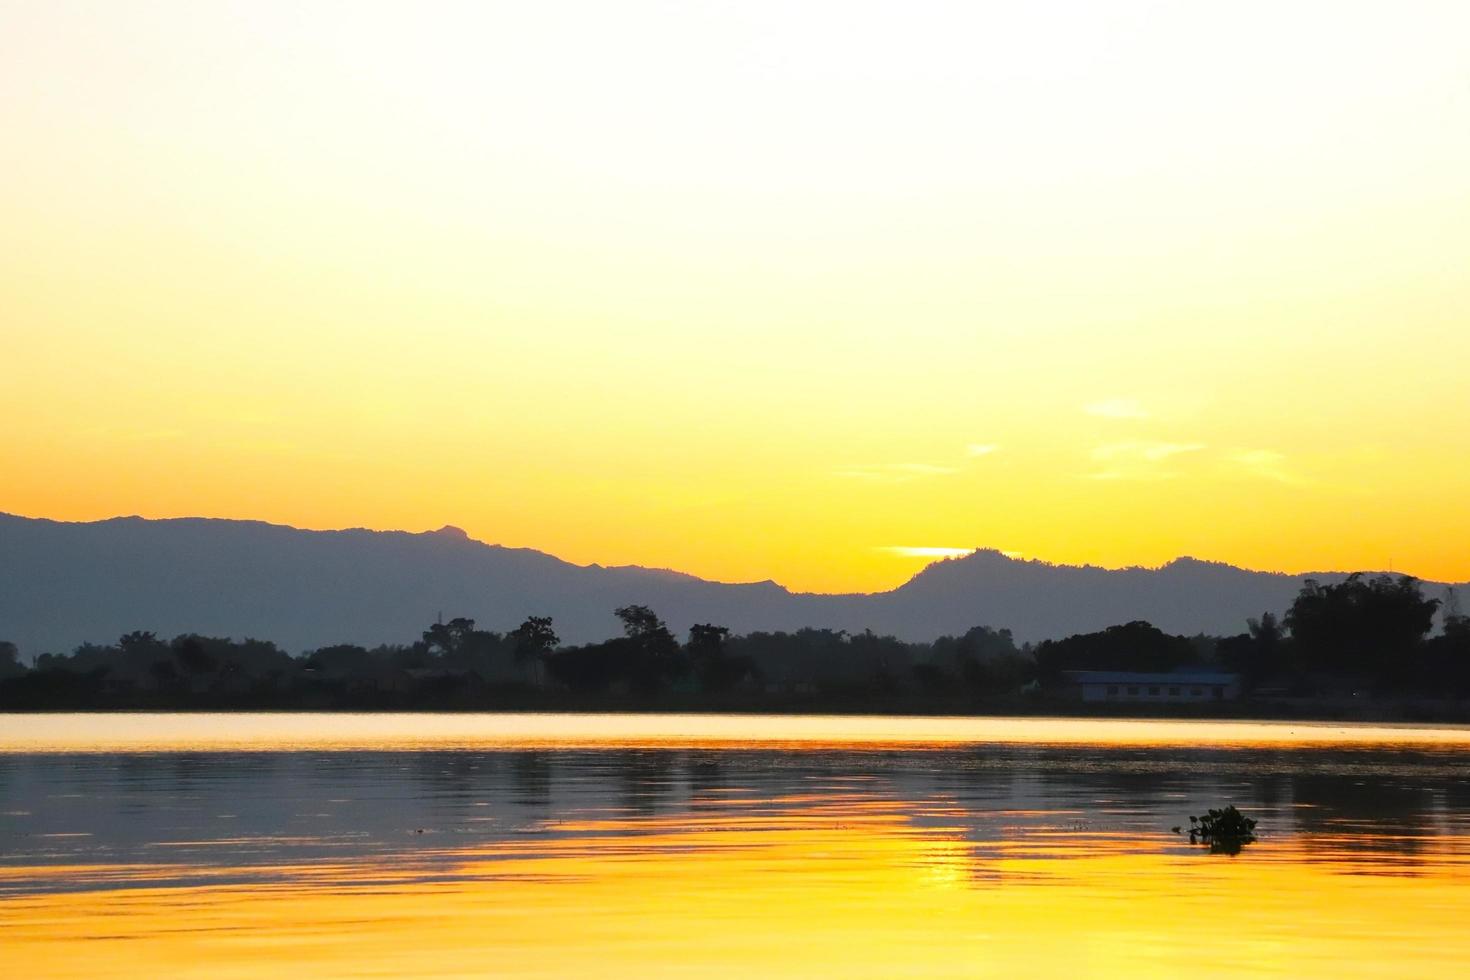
(1116, 408)
(931, 551)
(1266, 464)
(982, 448)
(1152, 452)
(1118, 473)
(910, 551)
(1139, 460)
(895, 472)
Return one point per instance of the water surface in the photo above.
(637, 845)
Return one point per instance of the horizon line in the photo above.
(1005, 554)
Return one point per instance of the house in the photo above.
(1179, 687)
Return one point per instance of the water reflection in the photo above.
(831, 859)
(256, 810)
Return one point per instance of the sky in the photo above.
(814, 293)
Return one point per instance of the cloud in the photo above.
(1152, 452)
(1139, 460)
(1116, 408)
(1266, 464)
(908, 551)
(982, 448)
(895, 472)
(1126, 474)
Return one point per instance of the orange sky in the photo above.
(746, 291)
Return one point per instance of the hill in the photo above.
(62, 584)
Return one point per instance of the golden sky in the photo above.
(805, 292)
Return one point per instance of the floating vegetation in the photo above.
(1224, 831)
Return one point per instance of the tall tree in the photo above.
(447, 639)
(10, 664)
(534, 638)
(707, 642)
(1366, 625)
(655, 651)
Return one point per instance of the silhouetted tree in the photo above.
(534, 638)
(593, 667)
(141, 640)
(1361, 627)
(1258, 653)
(716, 670)
(163, 673)
(132, 659)
(932, 679)
(655, 651)
(1133, 646)
(642, 624)
(806, 659)
(458, 647)
(1370, 626)
(985, 643)
(707, 641)
(192, 656)
(1266, 631)
(877, 663)
(986, 660)
(10, 665)
(341, 659)
(448, 639)
(1446, 667)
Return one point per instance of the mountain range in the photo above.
(62, 584)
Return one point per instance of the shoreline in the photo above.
(1376, 711)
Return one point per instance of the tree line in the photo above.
(1363, 636)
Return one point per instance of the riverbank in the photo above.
(1363, 709)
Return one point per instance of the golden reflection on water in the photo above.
(832, 889)
(277, 731)
(545, 846)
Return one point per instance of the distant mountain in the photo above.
(62, 584)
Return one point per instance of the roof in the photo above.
(1132, 677)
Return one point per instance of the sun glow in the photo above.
(748, 290)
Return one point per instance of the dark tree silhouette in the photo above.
(10, 665)
(593, 667)
(707, 641)
(163, 673)
(715, 669)
(655, 652)
(192, 655)
(448, 639)
(1257, 654)
(1369, 626)
(1132, 646)
(1362, 628)
(985, 659)
(456, 647)
(1266, 631)
(642, 624)
(340, 659)
(141, 640)
(1447, 656)
(534, 638)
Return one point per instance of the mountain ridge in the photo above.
(67, 582)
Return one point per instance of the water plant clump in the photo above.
(1225, 831)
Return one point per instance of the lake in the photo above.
(707, 845)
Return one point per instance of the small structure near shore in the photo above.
(1177, 687)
